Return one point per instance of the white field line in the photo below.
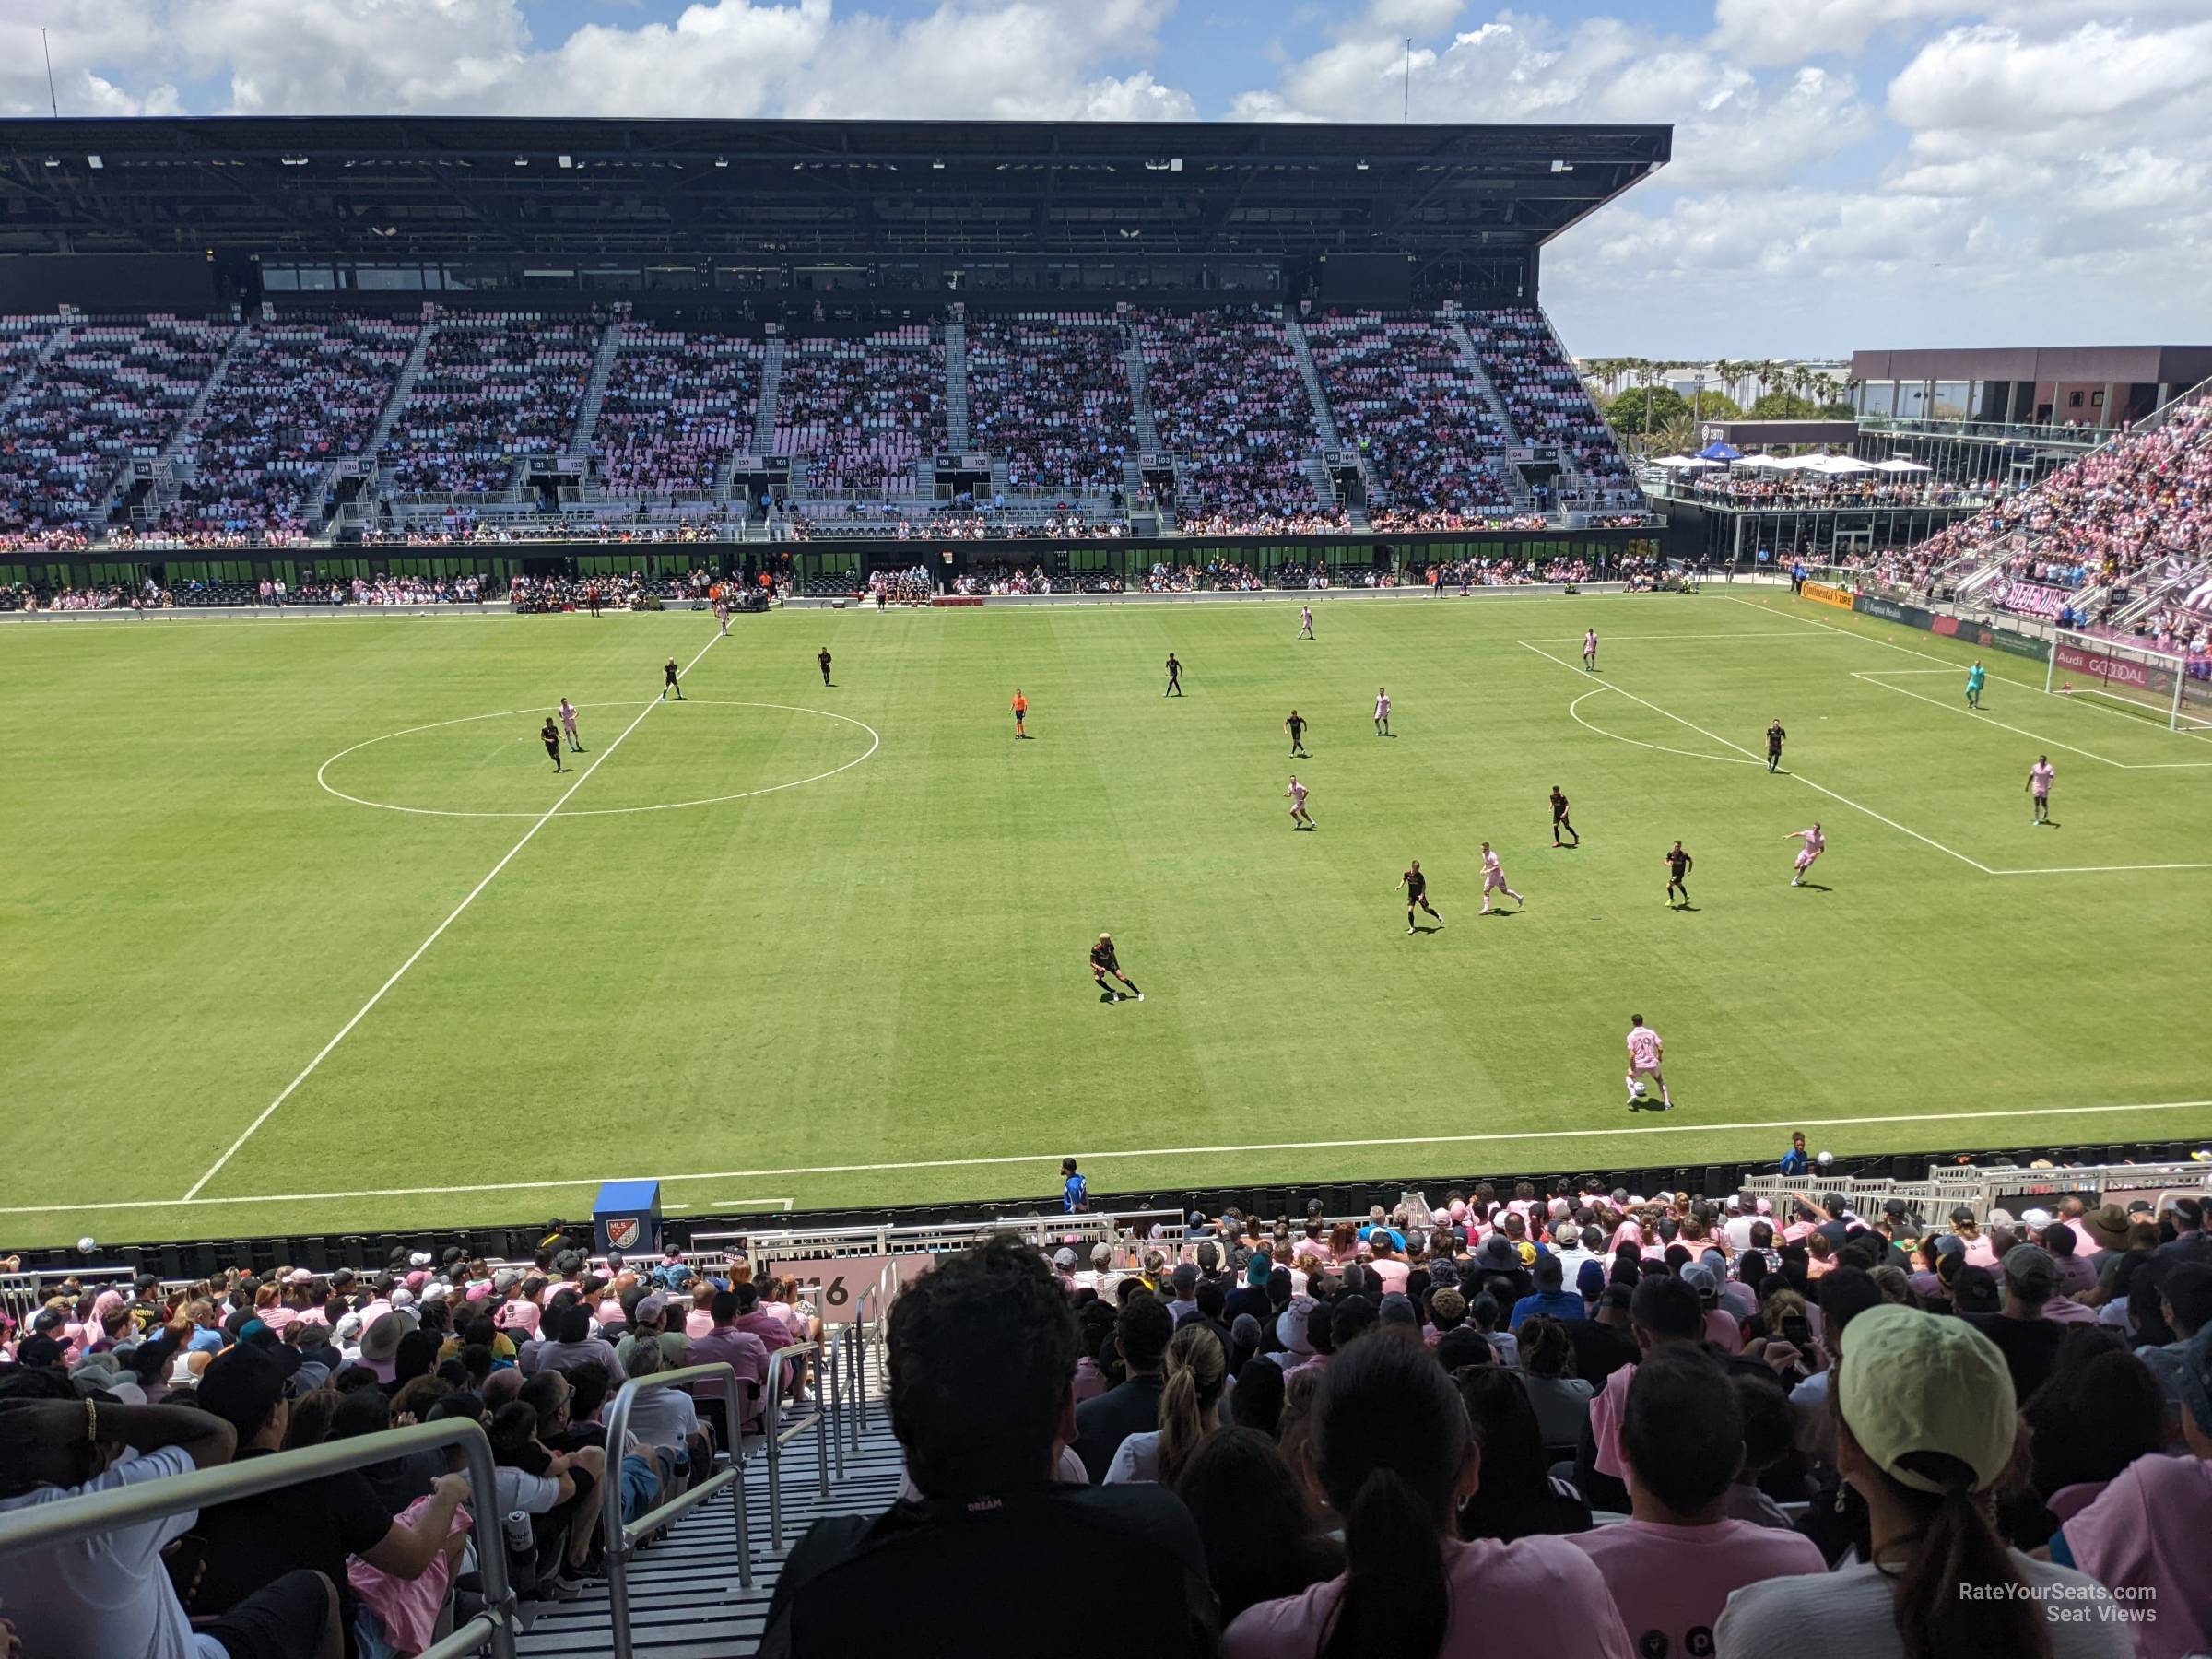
(874, 743)
(1874, 678)
(1778, 633)
(398, 974)
(785, 1204)
(1853, 633)
(1878, 676)
(1050, 1160)
(1575, 715)
(2100, 869)
(1739, 749)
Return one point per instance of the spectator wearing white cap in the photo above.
(1926, 1430)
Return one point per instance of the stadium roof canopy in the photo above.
(401, 187)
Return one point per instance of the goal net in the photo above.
(2157, 685)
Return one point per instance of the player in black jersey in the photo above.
(1417, 893)
(1774, 737)
(1560, 820)
(1174, 677)
(1296, 726)
(1678, 863)
(823, 658)
(1103, 963)
(671, 682)
(551, 736)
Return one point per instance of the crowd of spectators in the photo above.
(242, 1365)
(676, 407)
(1595, 1422)
(494, 388)
(112, 392)
(1401, 392)
(1837, 489)
(1587, 1420)
(1228, 400)
(2101, 521)
(1386, 520)
(295, 397)
(1544, 397)
(863, 411)
(1050, 394)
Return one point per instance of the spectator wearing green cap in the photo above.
(1926, 1426)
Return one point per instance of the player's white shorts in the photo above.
(1642, 1071)
(1804, 859)
(1493, 882)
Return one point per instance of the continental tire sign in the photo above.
(1821, 593)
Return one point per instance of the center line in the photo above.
(529, 835)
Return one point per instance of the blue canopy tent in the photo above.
(1718, 450)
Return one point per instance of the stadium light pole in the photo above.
(1405, 108)
(51, 99)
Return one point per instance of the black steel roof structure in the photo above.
(402, 187)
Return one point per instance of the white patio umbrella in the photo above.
(1773, 462)
(1835, 464)
(1897, 464)
(1683, 463)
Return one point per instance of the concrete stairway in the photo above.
(1309, 371)
(764, 412)
(956, 384)
(685, 1599)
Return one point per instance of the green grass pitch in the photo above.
(871, 988)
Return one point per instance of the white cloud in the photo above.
(1004, 59)
(1989, 79)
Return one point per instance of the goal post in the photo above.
(2154, 683)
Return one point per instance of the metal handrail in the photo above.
(98, 1512)
(775, 1434)
(623, 1538)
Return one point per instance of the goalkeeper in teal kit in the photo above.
(1974, 678)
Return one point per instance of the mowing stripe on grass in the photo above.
(398, 974)
(1778, 1126)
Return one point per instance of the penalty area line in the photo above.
(361, 1014)
(1777, 1125)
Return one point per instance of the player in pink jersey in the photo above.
(1815, 843)
(1493, 880)
(1299, 818)
(1646, 1050)
(1382, 712)
(568, 723)
(1305, 621)
(2038, 787)
(1590, 652)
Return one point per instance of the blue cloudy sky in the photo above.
(1847, 172)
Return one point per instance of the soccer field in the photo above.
(302, 933)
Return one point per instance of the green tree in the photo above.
(1713, 405)
(1645, 408)
(1784, 405)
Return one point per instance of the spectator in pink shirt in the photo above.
(742, 1351)
(1673, 1565)
(1394, 1456)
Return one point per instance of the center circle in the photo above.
(495, 753)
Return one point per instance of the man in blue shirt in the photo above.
(1549, 1296)
(1793, 1162)
(1074, 1192)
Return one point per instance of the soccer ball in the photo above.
(85, 1246)
(1643, 1090)
(1825, 1159)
